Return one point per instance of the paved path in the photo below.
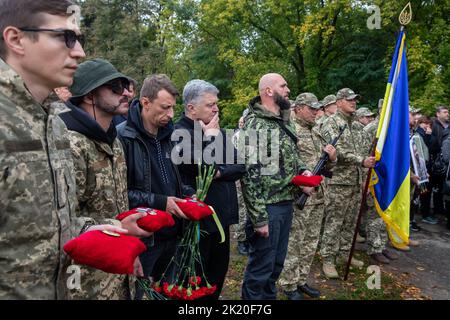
(428, 265)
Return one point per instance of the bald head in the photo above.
(269, 81)
(274, 92)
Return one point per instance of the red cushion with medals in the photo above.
(305, 181)
(106, 251)
(195, 209)
(153, 221)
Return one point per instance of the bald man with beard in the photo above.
(267, 187)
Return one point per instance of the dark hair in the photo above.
(440, 108)
(154, 84)
(28, 13)
(425, 119)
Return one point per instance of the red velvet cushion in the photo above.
(112, 254)
(194, 209)
(153, 221)
(305, 181)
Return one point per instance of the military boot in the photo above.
(378, 258)
(329, 269)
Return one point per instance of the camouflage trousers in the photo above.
(340, 222)
(239, 229)
(99, 285)
(376, 234)
(303, 241)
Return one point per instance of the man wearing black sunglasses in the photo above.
(100, 92)
(37, 192)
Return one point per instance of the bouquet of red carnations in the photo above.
(189, 282)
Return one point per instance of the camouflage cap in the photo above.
(91, 75)
(328, 100)
(308, 99)
(364, 112)
(414, 110)
(347, 94)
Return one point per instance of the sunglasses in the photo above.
(118, 85)
(70, 37)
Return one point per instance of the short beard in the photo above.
(108, 108)
(283, 103)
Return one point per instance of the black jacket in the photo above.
(437, 133)
(152, 176)
(80, 121)
(222, 195)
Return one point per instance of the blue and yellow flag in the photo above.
(390, 184)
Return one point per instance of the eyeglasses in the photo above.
(70, 37)
(118, 85)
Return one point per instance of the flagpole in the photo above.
(361, 209)
(404, 19)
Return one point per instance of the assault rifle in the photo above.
(301, 198)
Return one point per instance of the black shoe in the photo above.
(293, 295)
(312, 292)
(414, 226)
(243, 248)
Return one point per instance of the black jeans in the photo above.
(155, 261)
(435, 183)
(266, 255)
(215, 258)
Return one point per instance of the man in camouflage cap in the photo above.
(364, 116)
(37, 191)
(344, 189)
(100, 92)
(329, 108)
(267, 187)
(306, 224)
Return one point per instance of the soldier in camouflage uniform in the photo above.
(306, 224)
(375, 227)
(99, 93)
(344, 189)
(37, 189)
(329, 108)
(267, 188)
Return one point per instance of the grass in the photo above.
(391, 285)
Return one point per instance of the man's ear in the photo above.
(145, 103)
(191, 109)
(89, 98)
(13, 39)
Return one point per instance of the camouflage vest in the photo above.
(37, 193)
(348, 170)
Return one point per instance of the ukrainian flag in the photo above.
(390, 184)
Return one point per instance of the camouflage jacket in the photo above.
(101, 178)
(37, 193)
(349, 169)
(311, 145)
(267, 181)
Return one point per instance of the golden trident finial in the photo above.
(405, 16)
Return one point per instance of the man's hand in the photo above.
(213, 127)
(369, 162)
(415, 179)
(218, 175)
(331, 151)
(307, 173)
(130, 223)
(308, 190)
(107, 227)
(137, 268)
(263, 231)
(172, 207)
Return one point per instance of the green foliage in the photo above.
(318, 46)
